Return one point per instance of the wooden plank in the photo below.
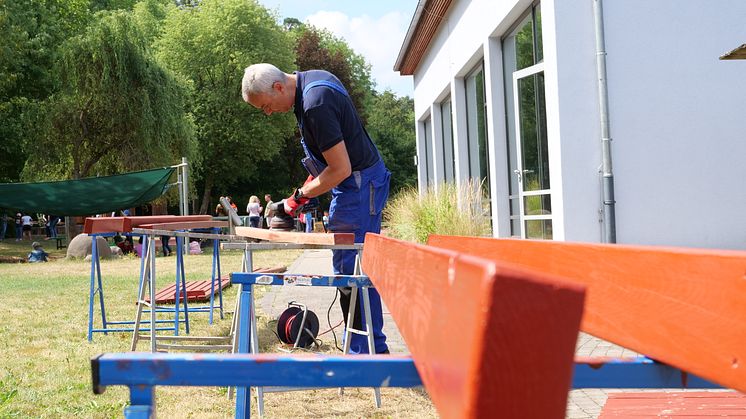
(184, 225)
(293, 237)
(125, 224)
(107, 225)
(698, 404)
(195, 291)
(683, 307)
(488, 339)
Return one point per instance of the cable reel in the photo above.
(298, 326)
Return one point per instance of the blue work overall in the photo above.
(356, 207)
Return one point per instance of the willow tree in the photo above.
(211, 45)
(117, 109)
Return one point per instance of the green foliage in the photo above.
(31, 31)
(391, 124)
(118, 109)
(454, 210)
(319, 49)
(210, 45)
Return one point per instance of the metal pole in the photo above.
(609, 215)
(185, 186)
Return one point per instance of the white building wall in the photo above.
(677, 117)
(676, 112)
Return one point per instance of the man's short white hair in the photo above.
(259, 78)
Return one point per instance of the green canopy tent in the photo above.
(86, 196)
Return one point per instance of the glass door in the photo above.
(528, 162)
(532, 157)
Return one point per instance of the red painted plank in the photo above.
(683, 307)
(488, 339)
(195, 291)
(125, 224)
(675, 404)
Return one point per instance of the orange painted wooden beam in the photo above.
(125, 224)
(293, 237)
(683, 307)
(488, 339)
(689, 404)
(188, 225)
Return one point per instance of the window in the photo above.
(528, 151)
(449, 162)
(427, 148)
(476, 125)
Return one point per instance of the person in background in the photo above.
(53, 221)
(138, 247)
(3, 223)
(255, 211)
(37, 253)
(165, 247)
(325, 221)
(27, 222)
(309, 222)
(219, 210)
(123, 243)
(19, 226)
(194, 247)
(340, 157)
(268, 213)
(43, 221)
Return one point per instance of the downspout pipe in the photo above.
(607, 175)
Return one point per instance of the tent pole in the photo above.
(185, 186)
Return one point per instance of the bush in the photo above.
(412, 217)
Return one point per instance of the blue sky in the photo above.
(373, 28)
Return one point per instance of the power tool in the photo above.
(284, 221)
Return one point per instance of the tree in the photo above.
(210, 45)
(117, 110)
(319, 49)
(391, 124)
(31, 31)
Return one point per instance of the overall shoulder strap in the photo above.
(325, 83)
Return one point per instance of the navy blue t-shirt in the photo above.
(328, 117)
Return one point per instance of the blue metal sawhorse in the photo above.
(149, 278)
(96, 287)
(141, 372)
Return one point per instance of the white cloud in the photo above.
(378, 40)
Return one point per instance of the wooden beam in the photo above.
(488, 339)
(125, 224)
(294, 237)
(185, 225)
(683, 307)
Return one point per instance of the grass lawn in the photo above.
(45, 355)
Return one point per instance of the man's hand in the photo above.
(294, 202)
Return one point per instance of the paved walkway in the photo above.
(318, 300)
(582, 404)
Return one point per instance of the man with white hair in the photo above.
(340, 157)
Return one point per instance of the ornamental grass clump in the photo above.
(453, 210)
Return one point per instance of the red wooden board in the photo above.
(683, 307)
(488, 339)
(195, 291)
(698, 404)
(199, 290)
(125, 224)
